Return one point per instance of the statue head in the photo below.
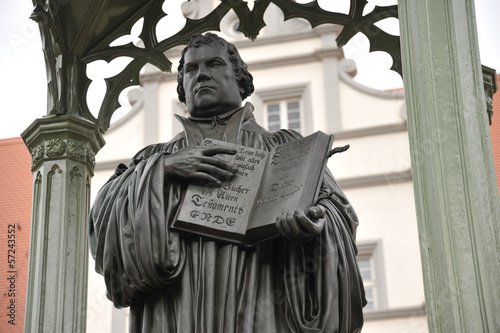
(203, 48)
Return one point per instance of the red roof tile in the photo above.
(15, 209)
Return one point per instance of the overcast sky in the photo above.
(23, 85)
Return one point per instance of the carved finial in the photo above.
(490, 87)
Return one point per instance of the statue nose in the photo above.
(203, 74)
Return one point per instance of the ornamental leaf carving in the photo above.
(58, 148)
(76, 149)
(55, 147)
(36, 154)
(90, 158)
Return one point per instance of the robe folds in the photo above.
(181, 282)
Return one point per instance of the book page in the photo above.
(293, 170)
(227, 207)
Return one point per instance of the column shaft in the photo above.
(63, 150)
(454, 179)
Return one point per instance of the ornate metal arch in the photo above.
(75, 33)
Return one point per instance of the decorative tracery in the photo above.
(90, 37)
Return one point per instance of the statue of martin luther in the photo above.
(305, 281)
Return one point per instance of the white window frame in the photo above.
(301, 92)
(283, 113)
(373, 251)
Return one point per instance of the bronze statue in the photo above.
(305, 281)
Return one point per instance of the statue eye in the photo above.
(216, 64)
(189, 69)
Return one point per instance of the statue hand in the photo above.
(199, 165)
(299, 226)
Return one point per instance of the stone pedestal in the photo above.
(63, 150)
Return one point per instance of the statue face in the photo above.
(209, 81)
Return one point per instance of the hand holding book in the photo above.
(300, 226)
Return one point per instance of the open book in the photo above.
(244, 209)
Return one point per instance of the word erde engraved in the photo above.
(11, 261)
(230, 221)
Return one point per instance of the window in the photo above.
(284, 107)
(371, 268)
(284, 114)
(367, 270)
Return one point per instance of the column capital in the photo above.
(64, 136)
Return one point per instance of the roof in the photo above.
(15, 219)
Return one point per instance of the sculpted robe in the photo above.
(181, 282)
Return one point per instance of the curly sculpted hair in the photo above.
(244, 78)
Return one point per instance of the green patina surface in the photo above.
(63, 149)
(454, 180)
